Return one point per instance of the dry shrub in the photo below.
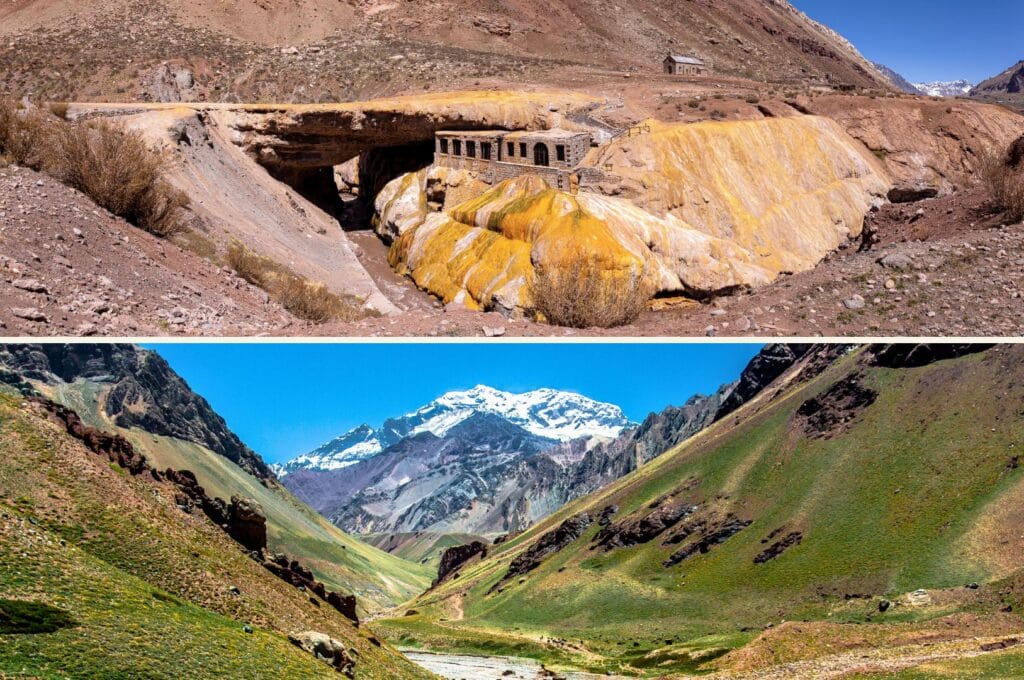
(119, 172)
(23, 134)
(305, 299)
(584, 296)
(1006, 183)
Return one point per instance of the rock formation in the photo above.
(696, 209)
(141, 390)
(454, 557)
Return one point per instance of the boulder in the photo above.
(327, 649)
(247, 523)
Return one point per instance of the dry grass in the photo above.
(305, 299)
(117, 170)
(584, 296)
(1006, 184)
(23, 134)
(113, 167)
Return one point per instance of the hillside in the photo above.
(257, 50)
(107, 570)
(830, 523)
(1005, 88)
(133, 392)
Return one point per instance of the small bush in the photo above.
(718, 115)
(583, 296)
(117, 170)
(23, 134)
(753, 100)
(305, 299)
(59, 109)
(1006, 184)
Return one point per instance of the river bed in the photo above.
(462, 667)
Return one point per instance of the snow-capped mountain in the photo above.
(945, 88)
(546, 413)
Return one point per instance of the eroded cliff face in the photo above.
(696, 209)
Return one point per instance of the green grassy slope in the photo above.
(147, 587)
(340, 561)
(919, 492)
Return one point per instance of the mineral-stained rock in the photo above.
(698, 209)
(327, 649)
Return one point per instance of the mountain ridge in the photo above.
(546, 413)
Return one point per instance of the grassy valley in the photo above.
(839, 512)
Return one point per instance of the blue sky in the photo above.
(929, 40)
(286, 399)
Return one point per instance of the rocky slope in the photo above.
(824, 502)
(1006, 88)
(901, 83)
(258, 50)
(140, 390)
(108, 565)
(133, 393)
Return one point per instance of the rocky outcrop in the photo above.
(636, 530)
(327, 649)
(837, 408)
(247, 523)
(763, 370)
(546, 546)
(693, 209)
(708, 533)
(141, 391)
(909, 355)
(455, 557)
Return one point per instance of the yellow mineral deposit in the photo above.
(698, 208)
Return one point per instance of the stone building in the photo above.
(683, 65)
(500, 155)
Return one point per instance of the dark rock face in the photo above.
(455, 557)
(911, 194)
(634, 530)
(144, 392)
(832, 412)
(115, 447)
(247, 524)
(778, 547)
(1015, 156)
(709, 534)
(769, 364)
(909, 355)
(546, 546)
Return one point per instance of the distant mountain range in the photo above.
(898, 80)
(486, 462)
(547, 414)
(946, 88)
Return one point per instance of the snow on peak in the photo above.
(548, 413)
(945, 88)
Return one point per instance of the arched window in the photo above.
(540, 155)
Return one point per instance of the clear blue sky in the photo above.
(287, 399)
(927, 40)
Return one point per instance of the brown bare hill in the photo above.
(1005, 88)
(322, 49)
